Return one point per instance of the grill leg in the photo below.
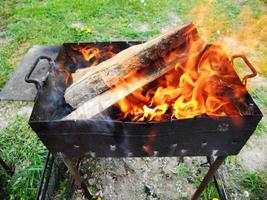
(44, 181)
(212, 170)
(6, 167)
(76, 175)
(219, 181)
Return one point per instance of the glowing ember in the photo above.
(204, 85)
(88, 52)
(67, 75)
(94, 55)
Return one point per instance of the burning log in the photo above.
(103, 101)
(193, 46)
(109, 73)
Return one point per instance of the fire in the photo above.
(90, 54)
(245, 34)
(204, 85)
(94, 55)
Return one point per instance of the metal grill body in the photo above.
(106, 137)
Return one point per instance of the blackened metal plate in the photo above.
(200, 136)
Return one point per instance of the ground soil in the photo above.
(142, 178)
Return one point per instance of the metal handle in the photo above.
(251, 67)
(36, 82)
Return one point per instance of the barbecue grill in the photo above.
(104, 136)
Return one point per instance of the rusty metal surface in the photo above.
(250, 66)
(212, 170)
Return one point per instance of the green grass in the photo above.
(181, 198)
(261, 129)
(232, 160)
(21, 148)
(52, 21)
(240, 179)
(64, 189)
(182, 170)
(94, 189)
(255, 183)
(210, 191)
(230, 9)
(260, 95)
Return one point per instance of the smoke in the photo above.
(51, 104)
(240, 28)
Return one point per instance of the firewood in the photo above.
(105, 75)
(103, 101)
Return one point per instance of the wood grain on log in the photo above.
(105, 75)
(106, 99)
(111, 96)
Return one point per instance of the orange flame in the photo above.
(91, 54)
(88, 52)
(206, 85)
(94, 54)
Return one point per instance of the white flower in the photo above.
(246, 194)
